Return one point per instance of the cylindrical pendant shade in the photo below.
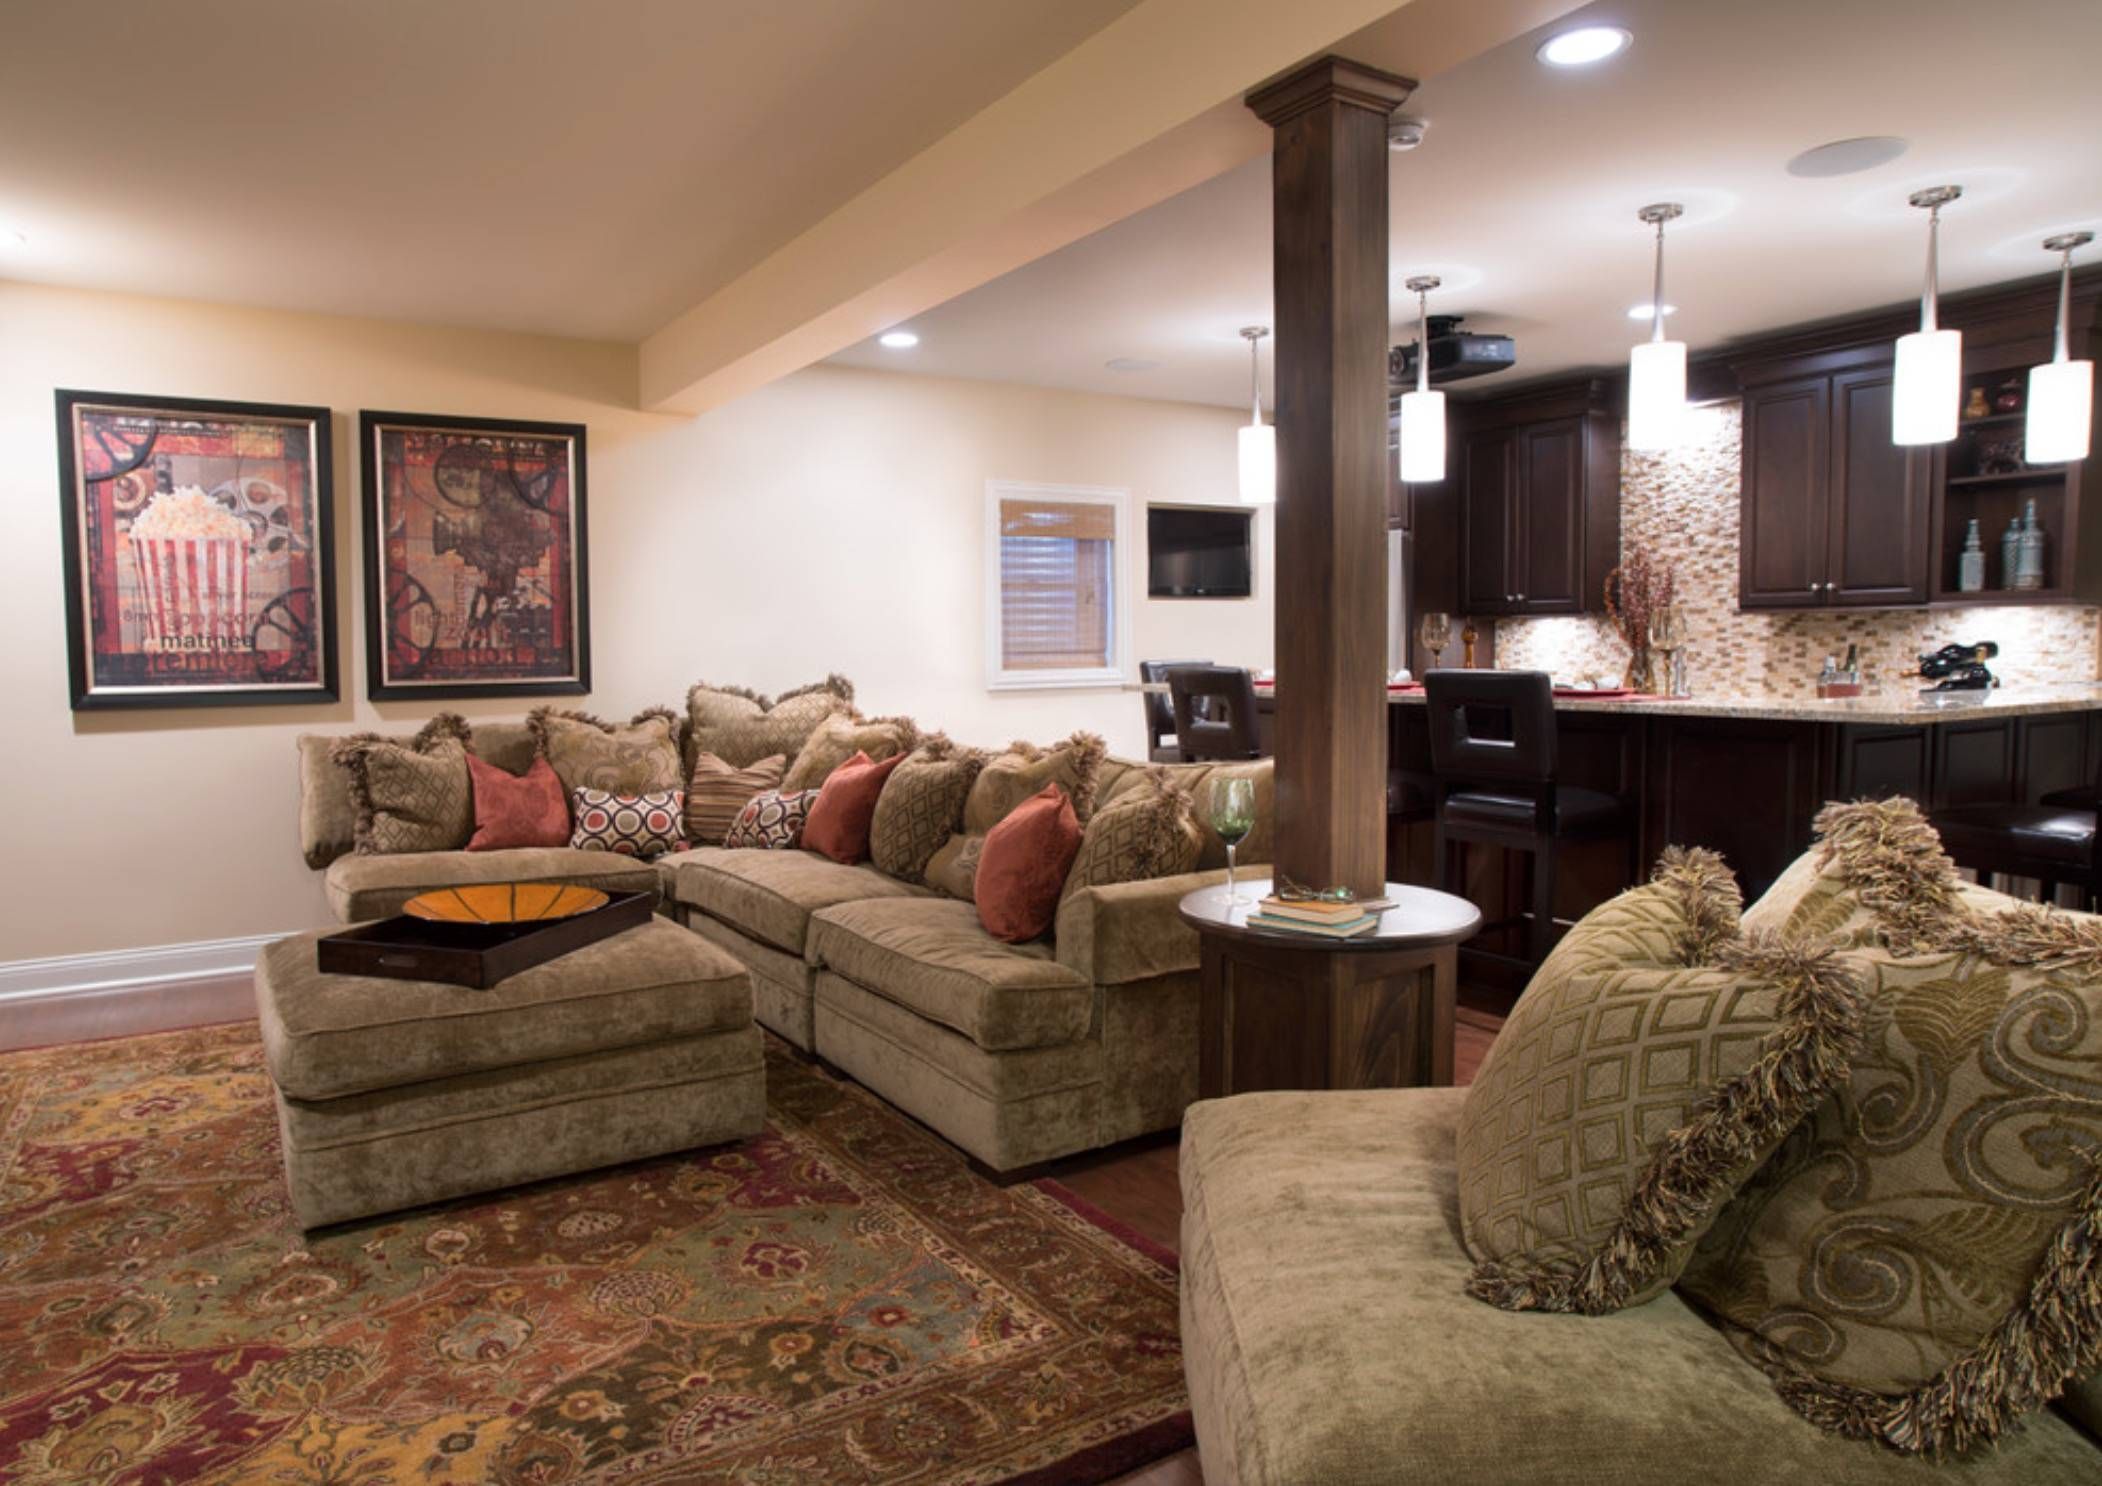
(1422, 437)
(2061, 404)
(1927, 394)
(1258, 464)
(1656, 394)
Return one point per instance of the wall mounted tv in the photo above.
(1199, 552)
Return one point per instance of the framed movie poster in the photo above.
(199, 551)
(475, 557)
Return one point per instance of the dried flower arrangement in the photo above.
(1636, 592)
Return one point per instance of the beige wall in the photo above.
(829, 522)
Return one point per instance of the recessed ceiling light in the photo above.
(1584, 45)
(897, 340)
(1848, 156)
(1131, 364)
(1644, 312)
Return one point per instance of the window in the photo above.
(1055, 590)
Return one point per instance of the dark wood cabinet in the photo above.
(1834, 513)
(1538, 503)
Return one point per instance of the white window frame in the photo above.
(997, 676)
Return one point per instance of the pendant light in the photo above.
(2061, 391)
(1258, 439)
(1927, 393)
(1423, 411)
(1657, 367)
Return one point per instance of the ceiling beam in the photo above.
(1147, 107)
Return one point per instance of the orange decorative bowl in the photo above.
(504, 903)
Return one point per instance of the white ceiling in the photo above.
(1524, 196)
(571, 168)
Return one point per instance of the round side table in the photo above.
(1283, 1010)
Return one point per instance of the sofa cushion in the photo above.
(921, 807)
(1624, 1102)
(839, 737)
(932, 956)
(327, 816)
(363, 887)
(741, 727)
(1327, 1337)
(413, 796)
(640, 757)
(327, 1036)
(770, 895)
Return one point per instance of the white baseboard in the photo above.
(126, 969)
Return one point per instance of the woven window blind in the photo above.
(1057, 596)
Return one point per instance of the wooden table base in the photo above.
(1282, 1016)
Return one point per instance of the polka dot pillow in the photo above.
(629, 825)
(772, 821)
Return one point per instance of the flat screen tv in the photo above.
(1194, 552)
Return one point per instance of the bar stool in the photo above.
(2054, 842)
(1494, 761)
(1160, 709)
(1215, 714)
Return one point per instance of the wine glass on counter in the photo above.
(1233, 817)
(1436, 633)
(1667, 636)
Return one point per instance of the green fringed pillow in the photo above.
(1654, 1061)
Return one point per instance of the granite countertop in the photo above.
(1893, 707)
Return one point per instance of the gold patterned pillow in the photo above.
(1144, 833)
(742, 727)
(1024, 769)
(841, 736)
(640, 758)
(921, 806)
(1625, 1100)
(1921, 1262)
(1877, 878)
(954, 868)
(411, 796)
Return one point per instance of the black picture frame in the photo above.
(386, 683)
(319, 606)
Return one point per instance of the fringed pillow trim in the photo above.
(1709, 899)
(1700, 1164)
(1891, 857)
(835, 683)
(353, 756)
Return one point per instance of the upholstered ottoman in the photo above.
(393, 1093)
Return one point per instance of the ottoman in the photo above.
(394, 1093)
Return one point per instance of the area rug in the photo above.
(839, 1300)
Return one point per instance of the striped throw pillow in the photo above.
(717, 791)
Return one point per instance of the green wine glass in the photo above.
(1233, 817)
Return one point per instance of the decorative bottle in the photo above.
(2011, 552)
(2029, 560)
(1970, 576)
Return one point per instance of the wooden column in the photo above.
(1329, 224)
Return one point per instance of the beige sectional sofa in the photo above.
(1018, 1053)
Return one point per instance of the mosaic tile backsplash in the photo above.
(1684, 505)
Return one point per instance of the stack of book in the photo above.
(1314, 916)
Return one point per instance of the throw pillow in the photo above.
(921, 807)
(1917, 1265)
(772, 821)
(742, 727)
(413, 796)
(1624, 1101)
(841, 736)
(953, 869)
(1144, 833)
(837, 824)
(1022, 869)
(639, 758)
(716, 791)
(644, 826)
(1877, 877)
(1022, 772)
(516, 810)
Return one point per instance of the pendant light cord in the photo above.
(1656, 298)
(1930, 297)
(1423, 337)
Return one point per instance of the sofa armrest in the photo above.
(1128, 931)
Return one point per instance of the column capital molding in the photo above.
(1329, 79)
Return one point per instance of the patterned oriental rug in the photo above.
(840, 1300)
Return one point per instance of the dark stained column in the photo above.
(1329, 221)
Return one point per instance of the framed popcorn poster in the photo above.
(199, 551)
(475, 558)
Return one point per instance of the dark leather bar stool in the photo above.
(1215, 715)
(2054, 842)
(1494, 757)
(1160, 710)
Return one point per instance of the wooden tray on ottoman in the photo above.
(473, 955)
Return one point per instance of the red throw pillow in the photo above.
(510, 810)
(838, 824)
(1023, 865)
